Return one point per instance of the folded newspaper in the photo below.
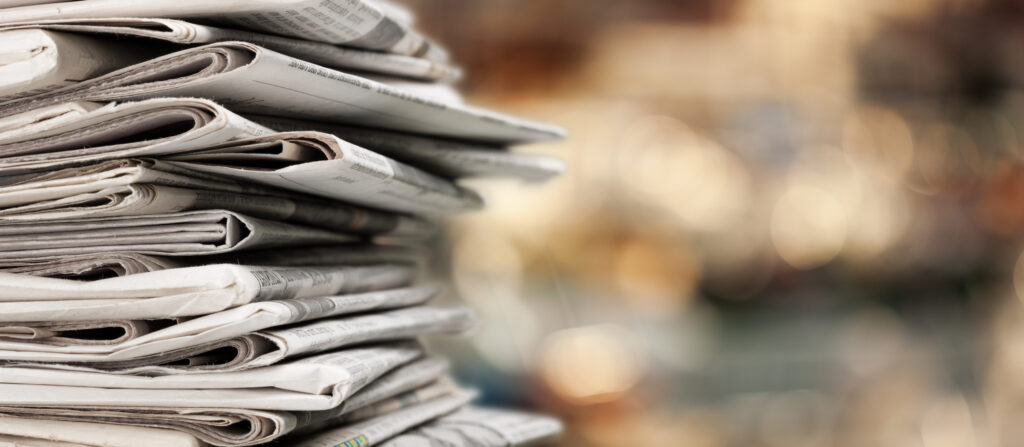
(47, 33)
(111, 264)
(249, 78)
(403, 387)
(144, 186)
(324, 165)
(444, 157)
(147, 337)
(20, 432)
(475, 426)
(356, 23)
(35, 61)
(320, 382)
(183, 292)
(173, 234)
(213, 219)
(154, 355)
(208, 143)
(77, 132)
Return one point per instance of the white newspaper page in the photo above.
(221, 427)
(377, 430)
(34, 61)
(439, 388)
(140, 187)
(318, 383)
(400, 382)
(276, 345)
(85, 267)
(356, 23)
(349, 254)
(474, 427)
(447, 158)
(186, 291)
(345, 172)
(251, 79)
(182, 32)
(173, 234)
(21, 432)
(323, 335)
(59, 135)
(234, 427)
(111, 264)
(67, 333)
(257, 349)
(223, 325)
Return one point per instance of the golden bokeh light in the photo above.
(808, 227)
(589, 365)
(877, 222)
(706, 186)
(875, 207)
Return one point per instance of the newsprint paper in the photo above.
(354, 23)
(55, 37)
(404, 387)
(248, 78)
(187, 291)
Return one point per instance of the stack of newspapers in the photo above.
(209, 219)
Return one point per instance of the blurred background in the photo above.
(784, 222)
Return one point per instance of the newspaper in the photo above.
(273, 346)
(66, 333)
(308, 162)
(19, 432)
(439, 388)
(409, 384)
(183, 292)
(320, 382)
(13, 3)
(141, 186)
(188, 33)
(350, 254)
(91, 266)
(251, 79)
(80, 132)
(167, 335)
(355, 23)
(111, 264)
(34, 61)
(377, 430)
(447, 158)
(323, 165)
(474, 427)
(434, 91)
(186, 354)
(174, 234)
(221, 427)
(237, 426)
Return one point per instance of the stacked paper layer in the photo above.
(209, 221)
